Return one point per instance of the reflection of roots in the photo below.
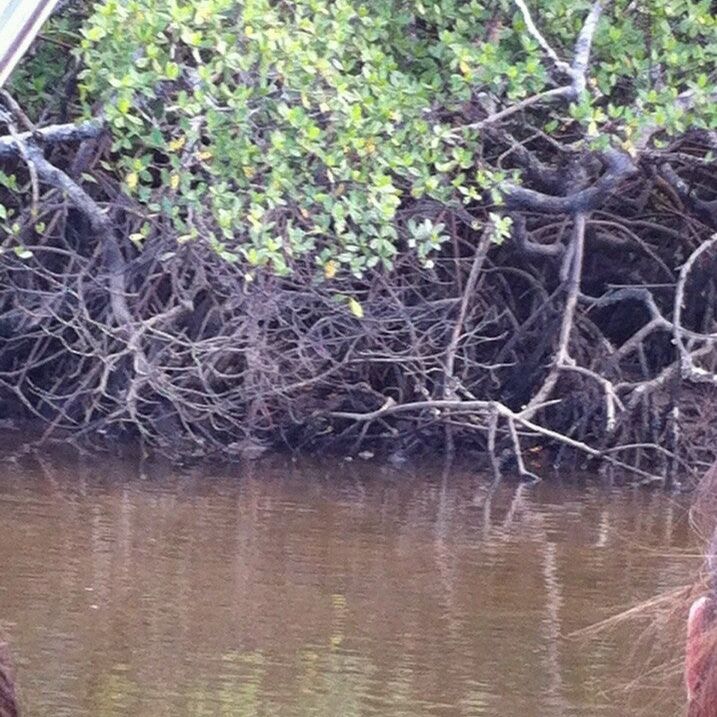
(593, 332)
(8, 706)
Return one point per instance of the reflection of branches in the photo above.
(553, 631)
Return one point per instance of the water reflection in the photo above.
(324, 590)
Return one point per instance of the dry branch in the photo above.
(687, 367)
(53, 134)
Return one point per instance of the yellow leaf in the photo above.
(356, 308)
(174, 181)
(249, 172)
(203, 14)
(136, 238)
(465, 68)
(203, 156)
(370, 147)
(132, 180)
(330, 269)
(177, 144)
(630, 148)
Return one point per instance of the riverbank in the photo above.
(29, 444)
(439, 360)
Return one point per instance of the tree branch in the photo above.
(391, 408)
(706, 211)
(52, 134)
(579, 68)
(573, 268)
(538, 36)
(620, 166)
(688, 370)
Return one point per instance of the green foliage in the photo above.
(44, 80)
(279, 129)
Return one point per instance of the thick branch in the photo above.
(579, 68)
(620, 166)
(706, 211)
(520, 234)
(573, 269)
(53, 134)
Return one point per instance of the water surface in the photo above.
(328, 590)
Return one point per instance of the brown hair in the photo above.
(8, 704)
(701, 647)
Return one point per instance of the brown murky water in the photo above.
(327, 591)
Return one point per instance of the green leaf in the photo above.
(22, 252)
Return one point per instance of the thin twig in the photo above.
(468, 293)
(687, 368)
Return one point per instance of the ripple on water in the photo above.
(324, 590)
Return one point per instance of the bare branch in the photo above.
(706, 211)
(488, 407)
(620, 167)
(53, 134)
(517, 107)
(468, 293)
(688, 369)
(579, 67)
(581, 57)
(538, 36)
(573, 267)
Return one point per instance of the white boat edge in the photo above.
(20, 22)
